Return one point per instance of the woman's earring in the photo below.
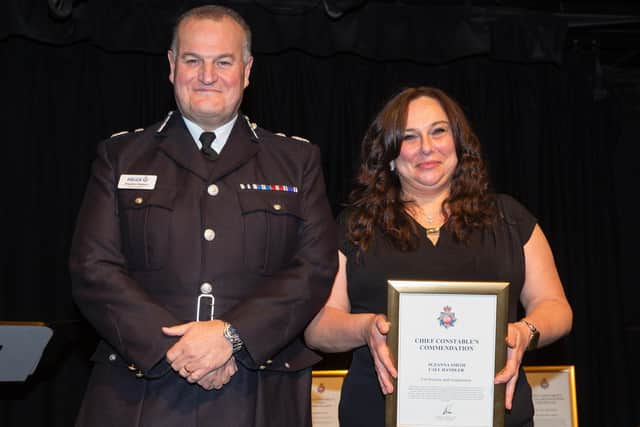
(392, 165)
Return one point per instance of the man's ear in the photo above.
(172, 65)
(247, 71)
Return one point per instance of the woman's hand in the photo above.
(517, 341)
(376, 339)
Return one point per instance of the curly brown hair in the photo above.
(375, 201)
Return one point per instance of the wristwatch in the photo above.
(231, 334)
(534, 337)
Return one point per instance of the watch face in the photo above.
(231, 334)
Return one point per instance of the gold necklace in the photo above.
(431, 230)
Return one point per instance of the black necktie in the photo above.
(206, 138)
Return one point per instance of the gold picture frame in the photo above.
(326, 387)
(332, 373)
(553, 393)
(412, 296)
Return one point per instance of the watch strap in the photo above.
(231, 334)
(534, 335)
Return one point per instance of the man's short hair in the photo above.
(215, 13)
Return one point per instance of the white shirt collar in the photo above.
(222, 133)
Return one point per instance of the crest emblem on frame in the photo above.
(447, 317)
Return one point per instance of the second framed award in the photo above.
(448, 342)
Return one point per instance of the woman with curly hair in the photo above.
(421, 209)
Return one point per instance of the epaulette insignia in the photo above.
(299, 138)
(252, 126)
(138, 130)
(119, 133)
(164, 123)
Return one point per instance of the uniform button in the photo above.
(139, 374)
(277, 206)
(269, 362)
(209, 234)
(112, 357)
(262, 367)
(286, 365)
(206, 288)
(213, 190)
(138, 200)
(132, 367)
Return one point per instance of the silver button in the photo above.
(286, 365)
(112, 357)
(277, 206)
(213, 190)
(206, 288)
(209, 234)
(269, 362)
(139, 374)
(262, 367)
(132, 367)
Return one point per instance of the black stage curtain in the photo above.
(557, 135)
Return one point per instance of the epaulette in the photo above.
(119, 133)
(298, 138)
(253, 126)
(124, 132)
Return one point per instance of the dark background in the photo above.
(552, 88)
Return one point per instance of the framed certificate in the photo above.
(554, 395)
(325, 397)
(22, 345)
(448, 342)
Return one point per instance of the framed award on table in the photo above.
(448, 341)
(553, 390)
(326, 387)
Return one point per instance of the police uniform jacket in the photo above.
(255, 224)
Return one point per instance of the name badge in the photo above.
(138, 182)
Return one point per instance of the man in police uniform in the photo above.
(203, 247)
